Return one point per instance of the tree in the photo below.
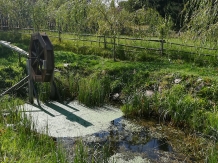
(201, 18)
(166, 8)
(39, 14)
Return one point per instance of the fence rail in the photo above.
(163, 46)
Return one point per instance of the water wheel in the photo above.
(41, 55)
(40, 64)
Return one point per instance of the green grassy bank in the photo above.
(176, 90)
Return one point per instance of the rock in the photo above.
(177, 81)
(149, 93)
(199, 80)
(160, 89)
(66, 65)
(10, 125)
(199, 87)
(103, 72)
(116, 96)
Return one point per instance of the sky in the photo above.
(116, 2)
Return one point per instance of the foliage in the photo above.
(169, 8)
(201, 19)
(77, 16)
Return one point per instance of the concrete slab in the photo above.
(70, 119)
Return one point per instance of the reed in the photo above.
(84, 153)
(93, 91)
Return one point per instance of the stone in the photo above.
(149, 93)
(177, 81)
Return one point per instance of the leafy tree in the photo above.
(16, 15)
(39, 12)
(201, 18)
(166, 8)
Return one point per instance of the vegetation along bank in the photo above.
(170, 73)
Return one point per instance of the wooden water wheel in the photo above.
(40, 64)
(41, 55)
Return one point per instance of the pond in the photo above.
(125, 139)
(130, 140)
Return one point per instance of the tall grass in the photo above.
(84, 153)
(177, 104)
(213, 155)
(138, 105)
(19, 140)
(93, 91)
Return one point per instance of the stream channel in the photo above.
(141, 141)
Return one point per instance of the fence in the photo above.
(134, 44)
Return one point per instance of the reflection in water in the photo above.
(120, 138)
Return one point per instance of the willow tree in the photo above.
(39, 13)
(108, 20)
(150, 21)
(4, 9)
(53, 15)
(79, 14)
(16, 13)
(201, 19)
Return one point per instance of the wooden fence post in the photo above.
(114, 48)
(59, 32)
(99, 41)
(162, 42)
(59, 29)
(30, 84)
(162, 46)
(105, 42)
(19, 58)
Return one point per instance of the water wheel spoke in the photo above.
(41, 53)
(36, 49)
(36, 61)
(38, 57)
(34, 53)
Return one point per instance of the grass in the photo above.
(190, 104)
(93, 91)
(19, 140)
(85, 154)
